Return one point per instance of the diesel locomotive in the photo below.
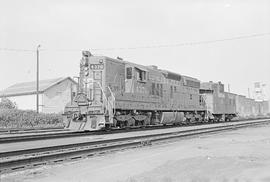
(117, 93)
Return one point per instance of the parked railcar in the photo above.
(261, 108)
(244, 106)
(265, 111)
(221, 105)
(113, 92)
(250, 108)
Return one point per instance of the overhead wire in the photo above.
(187, 43)
(16, 50)
(194, 43)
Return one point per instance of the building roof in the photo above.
(29, 88)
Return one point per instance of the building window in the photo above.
(190, 96)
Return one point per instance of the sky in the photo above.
(65, 27)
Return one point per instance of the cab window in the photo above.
(141, 75)
(129, 73)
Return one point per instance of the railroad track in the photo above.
(66, 134)
(62, 133)
(4, 131)
(29, 158)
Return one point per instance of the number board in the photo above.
(96, 66)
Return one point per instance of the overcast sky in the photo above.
(63, 28)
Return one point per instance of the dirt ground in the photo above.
(239, 155)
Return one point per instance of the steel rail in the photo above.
(66, 134)
(29, 133)
(43, 149)
(29, 130)
(16, 160)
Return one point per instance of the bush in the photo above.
(15, 118)
(7, 104)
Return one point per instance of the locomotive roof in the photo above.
(241, 95)
(148, 68)
(127, 62)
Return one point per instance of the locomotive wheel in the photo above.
(142, 124)
(123, 124)
(108, 127)
(114, 122)
(130, 122)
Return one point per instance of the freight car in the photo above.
(246, 107)
(250, 108)
(224, 106)
(220, 105)
(117, 93)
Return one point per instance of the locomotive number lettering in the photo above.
(96, 66)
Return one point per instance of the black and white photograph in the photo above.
(134, 91)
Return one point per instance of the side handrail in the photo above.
(104, 96)
(113, 97)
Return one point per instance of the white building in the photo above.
(54, 94)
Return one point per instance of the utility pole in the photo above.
(37, 104)
(78, 83)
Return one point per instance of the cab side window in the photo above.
(129, 72)
(141, 75)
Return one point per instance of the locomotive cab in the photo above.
(92, 108)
